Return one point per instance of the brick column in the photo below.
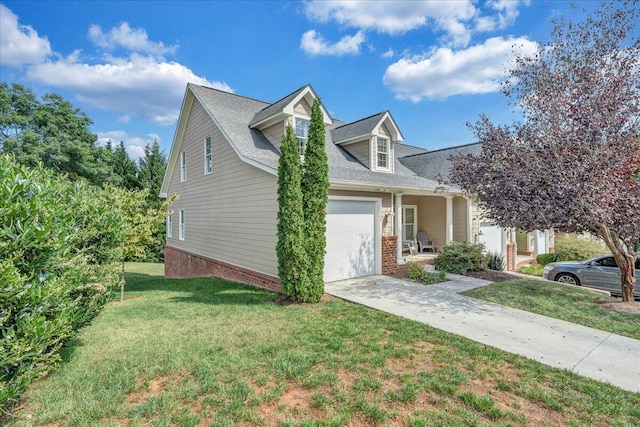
(389, 254)
(511, 257)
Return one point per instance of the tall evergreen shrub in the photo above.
(290, 249)
(315, 190)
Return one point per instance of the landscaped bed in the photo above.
(210, 352)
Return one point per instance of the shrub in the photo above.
(569, 247)
(495, 261)
(459, 257)
(544, 259)
(60, 253)
(533, 270)
(417, 272)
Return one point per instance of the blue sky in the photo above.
(434, 64)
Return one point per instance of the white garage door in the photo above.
(491, 237)
(351, 239)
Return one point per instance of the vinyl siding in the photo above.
(230, 213)
(361, 151)
(302, 109)
(275, 133)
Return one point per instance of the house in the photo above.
(434, 164)
(223, 167)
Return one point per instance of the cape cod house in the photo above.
(223, 167)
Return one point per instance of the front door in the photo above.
(409, 222)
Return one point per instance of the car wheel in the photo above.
(567, 278)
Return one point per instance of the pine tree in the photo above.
(151, 169)
(315, 190)
(124, 168)
(292, 257)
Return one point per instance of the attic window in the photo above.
(302, 133)
(382, 150)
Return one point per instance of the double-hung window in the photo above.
(183, 166)
(169, 225)
(382, 151)
(302, 133)
(208, 156)
(181, 225)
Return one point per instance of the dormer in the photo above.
(295, 110)
(371, 140)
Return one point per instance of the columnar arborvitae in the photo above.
(290, 249)
(315, 189)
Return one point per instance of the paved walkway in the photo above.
(586, 351)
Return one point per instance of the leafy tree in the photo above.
(290, 248)
(50, 131)
(571, 164)
(315, 191)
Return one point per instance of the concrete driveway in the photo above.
(586, 351)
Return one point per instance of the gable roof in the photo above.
(363, 127)
(232, 114)
(433, 163)
(285, 106)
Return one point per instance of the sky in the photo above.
(435, 65)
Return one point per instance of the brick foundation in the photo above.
(180, 264)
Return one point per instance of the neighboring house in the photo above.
(437, 163)
(223, 166)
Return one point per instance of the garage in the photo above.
(491, 237)
(352, 238)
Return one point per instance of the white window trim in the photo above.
(414, 223)
(169, 225)
(388, 153)
(181, 225)
(208, 159)
(183, 166)
(306, 139)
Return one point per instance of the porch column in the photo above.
(398, 227)
(449, 227)
(470, 221)
(536, 242)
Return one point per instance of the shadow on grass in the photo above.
(207, 290)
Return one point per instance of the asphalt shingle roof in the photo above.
(430, 164)
(233, 114)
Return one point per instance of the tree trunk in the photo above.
(628, 277)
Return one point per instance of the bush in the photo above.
(495, 261)
(60, 253)
(459, 257)
(532, 270)
(544, 259)
(569, 247)
(417, 272)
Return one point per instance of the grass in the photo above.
(572, 304)
(211, 352)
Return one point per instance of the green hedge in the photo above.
(459, 257)
(569, 247)
(60, 252)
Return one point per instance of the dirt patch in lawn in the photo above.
(622, 307)
(491, 275)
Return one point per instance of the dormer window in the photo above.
(302, 133)
(382, 152)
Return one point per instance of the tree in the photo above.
(50, 131)
(151, 170)
(125, 169)
(315, 192)
(572, 163)
(290, 248)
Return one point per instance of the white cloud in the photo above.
(139, 86)
(314, 44)
(390, 53)
(20, 44)
(458, 20)
(445, 72)
(133, 144)
(131, 39)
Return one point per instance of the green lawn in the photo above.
(210, 352)
(570, 303)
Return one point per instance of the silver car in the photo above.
(599, 273)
